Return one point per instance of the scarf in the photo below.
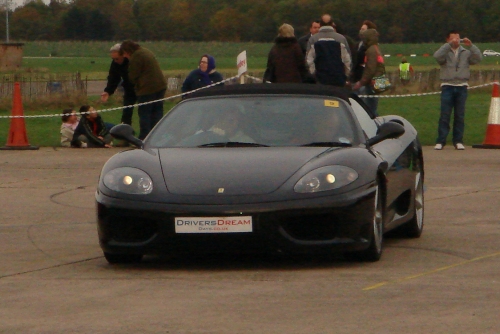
(93, 124)
(205, 76)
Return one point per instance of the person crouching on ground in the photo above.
(203, 76)
(69, 124)
(91, 129)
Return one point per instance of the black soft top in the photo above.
(281, 88)
(278, 89)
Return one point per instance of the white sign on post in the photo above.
(241, 63)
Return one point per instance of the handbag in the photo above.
(381, 83)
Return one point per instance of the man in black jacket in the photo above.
(118, 73)
(313, 29)
(91, 130)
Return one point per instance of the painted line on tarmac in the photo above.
(396, 281)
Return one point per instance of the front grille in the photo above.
(311, 227)
(131, 229)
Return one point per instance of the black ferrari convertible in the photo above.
(263, 168)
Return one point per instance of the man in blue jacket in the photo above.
(454, 74)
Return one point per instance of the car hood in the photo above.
(232, 171)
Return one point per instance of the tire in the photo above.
(374, 251)
(122, 258)
(414, 228)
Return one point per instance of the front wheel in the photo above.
(415, 226)
(374, 251)
(122, 258)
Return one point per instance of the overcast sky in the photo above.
(16, 3)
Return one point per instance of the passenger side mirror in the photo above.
(389, 130)
(125, 132)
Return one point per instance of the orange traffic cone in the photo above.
(18, 139)
(492, 139)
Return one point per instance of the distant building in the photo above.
(11, 56)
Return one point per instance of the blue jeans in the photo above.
(452, 98)
(127, 112)
(151, 113)
(371, 102)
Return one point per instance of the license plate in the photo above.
(236, 224)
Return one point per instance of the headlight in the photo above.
(326, 178)
(128, 180)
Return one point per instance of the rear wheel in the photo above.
(374, 251)
(122, 258)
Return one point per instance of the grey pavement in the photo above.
(54, 279)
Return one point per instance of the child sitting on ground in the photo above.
(91, 130)
(69, 124)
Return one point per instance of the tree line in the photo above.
(398, 21)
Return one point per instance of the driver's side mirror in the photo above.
(125, 132)
(389, 130)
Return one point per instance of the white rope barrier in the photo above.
(395, 95)
(221, 82)
(422, 94)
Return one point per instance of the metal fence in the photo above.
(425, 82)
(34, 85)
(422, 82)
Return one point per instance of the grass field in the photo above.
(94, 68)
(196, 49)
(91, 58)
(422, 112)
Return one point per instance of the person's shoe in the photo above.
(459, 146)
(438, 147)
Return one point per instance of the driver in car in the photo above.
(228, 125)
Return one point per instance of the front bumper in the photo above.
(326, 224)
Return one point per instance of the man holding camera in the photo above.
(454, 74)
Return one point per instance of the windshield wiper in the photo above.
(328, 144)
(233, 144)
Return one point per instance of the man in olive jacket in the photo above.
(149, 84)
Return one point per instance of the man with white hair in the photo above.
(118, 73)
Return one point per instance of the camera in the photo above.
(461, 40)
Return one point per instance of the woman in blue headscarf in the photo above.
(203, 76)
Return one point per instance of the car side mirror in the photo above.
(389, 130)
(125, 132)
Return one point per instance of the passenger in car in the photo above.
(324, 127)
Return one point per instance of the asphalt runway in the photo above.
(54, 279)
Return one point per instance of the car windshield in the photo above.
(256, 121)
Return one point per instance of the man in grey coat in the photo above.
(327, 21)
(327, 58)
(454, 74)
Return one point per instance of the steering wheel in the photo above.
(202, 138)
